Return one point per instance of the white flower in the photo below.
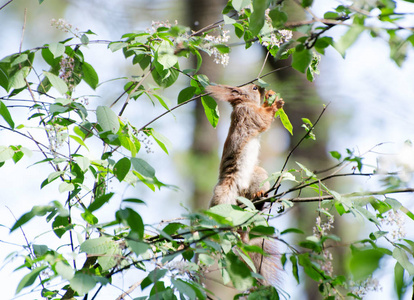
(211, 41)
(396, 219)
(271, 36)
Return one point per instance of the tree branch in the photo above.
(351, 195)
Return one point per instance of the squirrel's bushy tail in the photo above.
(268, 265)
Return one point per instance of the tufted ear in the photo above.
(224, 92)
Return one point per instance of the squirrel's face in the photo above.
(252, 93)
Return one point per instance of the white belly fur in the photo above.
(247, 162)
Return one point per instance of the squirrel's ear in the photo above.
(223, 92)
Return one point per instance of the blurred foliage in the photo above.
(165, 254)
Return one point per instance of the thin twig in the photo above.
(134, 89)
(23, 30)
(171, 109)
(206, 28)
(276, 185)
(29, 247)
(130, 290)
(7, 3)
(263, 65)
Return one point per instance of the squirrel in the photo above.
(239, 173)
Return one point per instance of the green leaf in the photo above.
(61, 225)
(134, 200)
(84, 39)
(310, 269)
(295, 269)
(82, 283)
(335, 154)
(30, 278)
(261, 230)
(115, 46)
(57, 49)
(227, 20)
(153, 276)
(56, 82)
(6, 153)
(4, 112)
(348, 38)
(165, 55)
(138, 247)
(222, 48)
(40, 250)
(186, 94)
(367, 214)
(89, 217)
(142, 167)
(161, 140)
(306, 3)
(238, 271)
(401, 256)
(64, 270)
(122, 168)
(4, 77)
(211, 110)
(285, 120)
(98, 202)
(165, 78)
(36, 211)
(263, 84)
(240, 4)
(97, 246)
(278, 17)
(364, 262)
(16, 80)
(249, 204)
(66, 187)
(89, 75)
(331, 15)
(399, 280)
(257, 18)
(132, 219)
(184, 288)
(322, 43)
(301, 60)
(293, 230)
(107, 119)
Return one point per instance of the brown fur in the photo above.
(239, 173)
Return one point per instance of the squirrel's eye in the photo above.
(254, 88)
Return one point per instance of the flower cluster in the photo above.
(212, 41)
(64, 26)
(145, 140)
(396, 219)
(320, 229)
(57, 136)
(67, 64)
(157, 24)
(360, 289)
(273, 37)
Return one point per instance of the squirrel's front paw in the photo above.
(278, 103)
